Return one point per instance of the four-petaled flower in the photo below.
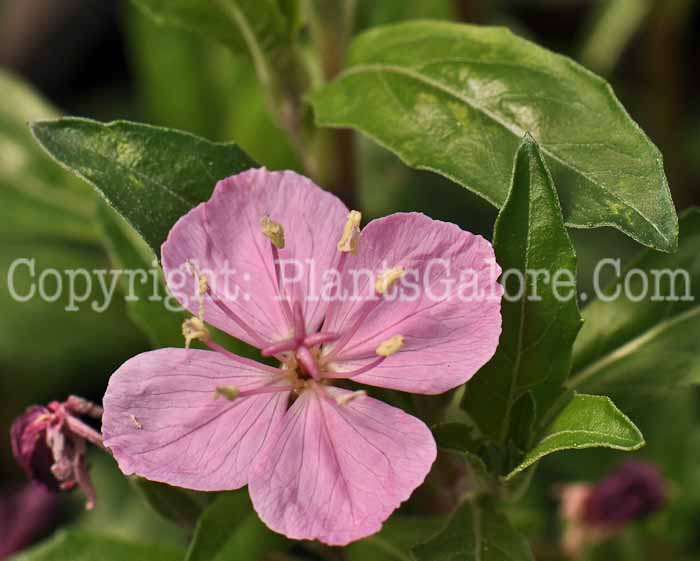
(321, 461)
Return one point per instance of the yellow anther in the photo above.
(227, 392)
(391, 346)
(348, 397)
(273, 230)
(350, 240)
(202, 285)
(192, 329)
(386, 279)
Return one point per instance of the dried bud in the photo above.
(594, 513)
(633, 492)
(49, 444)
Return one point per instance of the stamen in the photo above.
(391, 346)
(193, 329)
(384, 350)
(350, 239)
(386, 279)
(320, 338)
(242, 360)
(349, 397)
(232, 316)
(307, 361)
(227, 392)
(273, 230)
(232, 392)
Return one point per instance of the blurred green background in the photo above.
(103, 59)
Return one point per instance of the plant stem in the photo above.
(331, 23)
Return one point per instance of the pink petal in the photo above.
(226, 232)
(448, 335)
(161, 420)
(336, 472)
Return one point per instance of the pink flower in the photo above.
(49, 444)
(384, 307)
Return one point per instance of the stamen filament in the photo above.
(336, 375)
(242, 360)
(234, 317)
(280, 288)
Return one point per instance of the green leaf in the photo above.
(645, 344)
(150, 175)
(457, 99)
(588, 421)
(475, 533)
(182, 506)
(540, 315)
(262, 29)
(80, 546)
(230, 529)
(37, 198)
(394, 542)
(145, 293)
(233, 22)
(168, 59)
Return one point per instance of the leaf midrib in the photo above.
(514, 130)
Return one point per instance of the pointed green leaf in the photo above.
(475, 533)
(150, 175)
(588, 421)
(230, 529)
(457, 99)
(540, 312)
(81, 546)
(643, 340)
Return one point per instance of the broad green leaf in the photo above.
(475, 533)
(230, 529)
(182, 506)
(168, 59)
(540, 311)
(233, 22)
(145, 292)
(588, 421)
(394, 542)
(37, 198)
(262, 29)
(457, 99)
(80, 546)
(641, 335)
(150, 175)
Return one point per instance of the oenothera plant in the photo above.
(325, 454)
